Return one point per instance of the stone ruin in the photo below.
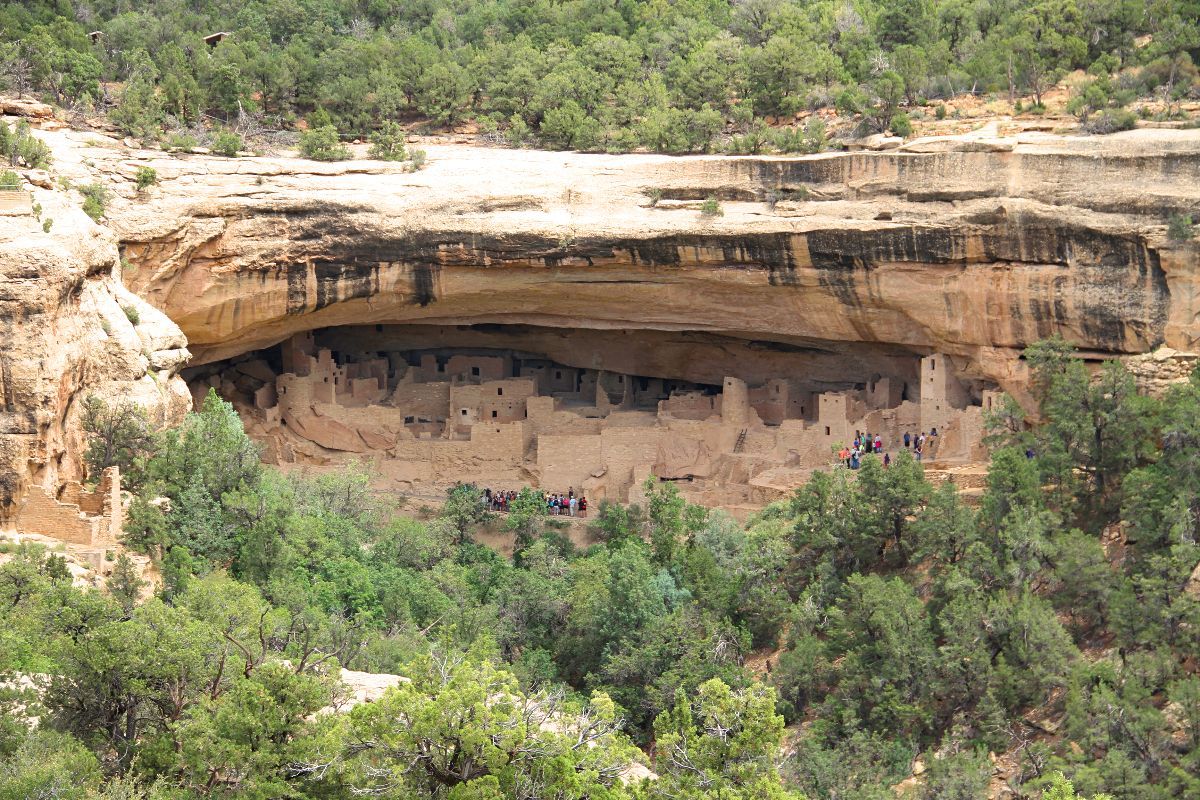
(426, 419)
(88, 521)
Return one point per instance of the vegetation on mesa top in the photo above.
(900, 624)
(672, 77)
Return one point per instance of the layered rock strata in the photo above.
(842, 267)
(974, 249)
(67, 330)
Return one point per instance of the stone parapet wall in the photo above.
(91, 518)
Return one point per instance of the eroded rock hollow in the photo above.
(595, 412)
(753, 342)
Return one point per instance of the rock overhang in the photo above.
(975, 250)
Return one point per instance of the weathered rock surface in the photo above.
(974, 250)
(852, 263)
(65, 333)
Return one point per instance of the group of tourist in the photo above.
(498, 501)
(863, 443)
(917, 443)
(567, 504)
(556, 503)
(851, 455)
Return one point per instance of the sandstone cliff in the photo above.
(973, 247)
(850, 264)
(66, 332)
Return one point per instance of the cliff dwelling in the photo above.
(735, 422)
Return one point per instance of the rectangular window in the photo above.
(493, 413)
(408, 420)
(826, 430)
(475, 371)
(499, 391)
(464, 412)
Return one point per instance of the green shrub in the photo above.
(226, 143)
(711, 207)
(655, 196)
(322, 144)
(518, 131)
(387, 143)
(940, 111)
(9, 181)
(901, 125)
(183, 142)
(106, 326)
(1111, 120)
(416, 159)
(21, 146)
(751, 143)
(812, 138)
(849, 102)
(1180, 228)
(131, 314)
(47, 224)
(95, 199)
(145, 177)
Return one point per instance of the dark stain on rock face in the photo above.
(338, 281)
(893, 245)
(297, 288)
(1122, 289)
(843, 259)
(1107, 287)
(423, 284)
(1126, 299)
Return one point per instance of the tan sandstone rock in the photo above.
(844, 266)
(975, 251)
(65, 334)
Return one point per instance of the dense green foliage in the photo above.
(584, 74)
(904, 623)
